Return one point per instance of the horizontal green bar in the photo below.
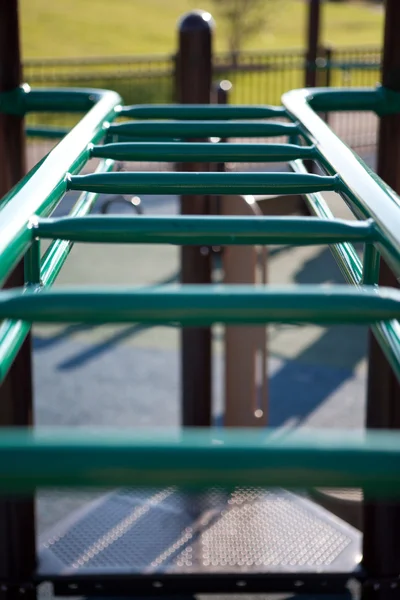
(327, 99)
(193, 459)
(23, 100)
(45, 131)
(72, 100)
(200, 111)
(203, 305)
(202, 129)
(204, 230)
(126, 138)
(203, 183)
(202, 152)
(380, 100)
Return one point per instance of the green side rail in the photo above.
(31, 458)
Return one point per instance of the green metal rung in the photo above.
(45, 131)
(191, 305)
(380, 100)
(205, 230)
(203, 152)
(275, 458)
(24, 100)
(202, 129)
(203, 183)
(200, 111)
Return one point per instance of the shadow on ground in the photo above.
(297, 387)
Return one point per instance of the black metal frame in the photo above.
(171, 585)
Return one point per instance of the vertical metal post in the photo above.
(382, 521)
(220, 91)
(17, 527)
(328, 66)
(313, 28)
(327, 75)
(219, 95)
(193, 86)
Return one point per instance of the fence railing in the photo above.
(258, 77)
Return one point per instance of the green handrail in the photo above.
(40, 192)
(368, 195)
(13, 333)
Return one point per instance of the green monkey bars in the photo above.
(30, 458)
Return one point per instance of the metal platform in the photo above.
(169, 541)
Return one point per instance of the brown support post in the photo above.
(193, 85)
(313, 27)
(382, 521)
(17, 526)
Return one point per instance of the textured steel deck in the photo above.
(166, 531)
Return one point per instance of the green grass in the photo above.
(76, 28)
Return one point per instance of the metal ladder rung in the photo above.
(200, 111)
(203, 152)
(202, 129)
(203, 183)
(201, 305)
(213, 230)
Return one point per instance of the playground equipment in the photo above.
(181, 528)
(194, 550)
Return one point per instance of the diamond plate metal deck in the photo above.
(166, 532)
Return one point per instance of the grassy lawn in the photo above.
(76, 28)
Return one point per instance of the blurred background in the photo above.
(260, 46)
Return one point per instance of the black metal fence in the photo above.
(257, 78)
